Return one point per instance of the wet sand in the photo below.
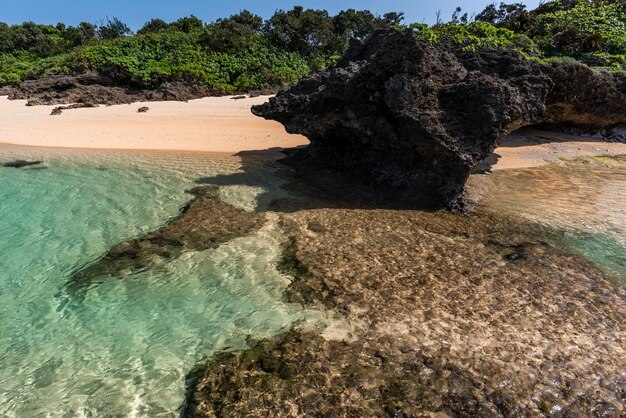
(218, 124)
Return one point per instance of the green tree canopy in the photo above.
(113, 28)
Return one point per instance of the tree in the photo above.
(308, 32)
(356, 24)
(6, 41)
(438, 18)
(188, 24)
(234, 33)
(393, 18)
(77, 35)
(512, 16)
(87, 32)
(113, 28)
(154, 25)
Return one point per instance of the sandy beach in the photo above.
(221, 124)
(218, 124)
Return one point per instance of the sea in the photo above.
(125, 347)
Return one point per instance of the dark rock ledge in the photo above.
(416, 118)
(95, 88)
(204, 223)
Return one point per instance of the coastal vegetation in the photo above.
(244, 52)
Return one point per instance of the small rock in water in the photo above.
(21, 163)
(238, 97)
(143, 109)
(56, 111)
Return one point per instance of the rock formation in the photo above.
(97, 89)
(416, 117)
(92, 87)
(585, 98)
(59, 109)
(453, 316)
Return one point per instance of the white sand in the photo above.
(220, 124)
(217, 124)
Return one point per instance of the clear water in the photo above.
(125, 349)
(583, 202)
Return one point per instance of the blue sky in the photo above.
(136, 12)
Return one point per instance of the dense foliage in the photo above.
(238, 53)
(593, 31)
(244, 52)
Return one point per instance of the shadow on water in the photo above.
(308, 185)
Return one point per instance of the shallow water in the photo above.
(125, 348)
(582, 202)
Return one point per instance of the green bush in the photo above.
(23, 66)
(473, 35)
(242, 52)
(586, 28)
(151, 59)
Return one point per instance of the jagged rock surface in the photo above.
(416, 117)
(92, 87)
(584, 98)
(453, 316)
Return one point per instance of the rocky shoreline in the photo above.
(450, 315)
(93, 89)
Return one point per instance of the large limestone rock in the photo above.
(585, 98)
(415, 117)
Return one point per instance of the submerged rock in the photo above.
(21, 163)
(445, 323)
(206, 222)
(143, 109)
(416, 117)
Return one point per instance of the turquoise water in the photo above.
(125, 348)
